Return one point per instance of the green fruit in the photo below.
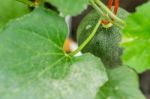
(105, 43)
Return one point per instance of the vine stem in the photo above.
(37, 2)
(27, 2)
(114, 17)
(104, 15)
(97, 8)
(87, 40)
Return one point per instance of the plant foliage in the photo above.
(34, 65)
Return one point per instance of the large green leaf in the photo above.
(10, 9)
(136, 39)
(70, 7)
(122, 84)
(33, 64)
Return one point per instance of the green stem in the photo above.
(97, 8)
(104, 8)
(87, 40)
(100, 12)
(105, 16)
(27, 2)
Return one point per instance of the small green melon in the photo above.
(105, 43)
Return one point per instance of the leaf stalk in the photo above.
(87, 40)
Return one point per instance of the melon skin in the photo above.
(105, 43)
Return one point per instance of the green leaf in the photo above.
(33, 64)
(122, 84)
(10, 9)
(136, 39)
(70, 7)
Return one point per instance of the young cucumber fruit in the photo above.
(105, 43)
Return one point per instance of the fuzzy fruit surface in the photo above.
(105, 43)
